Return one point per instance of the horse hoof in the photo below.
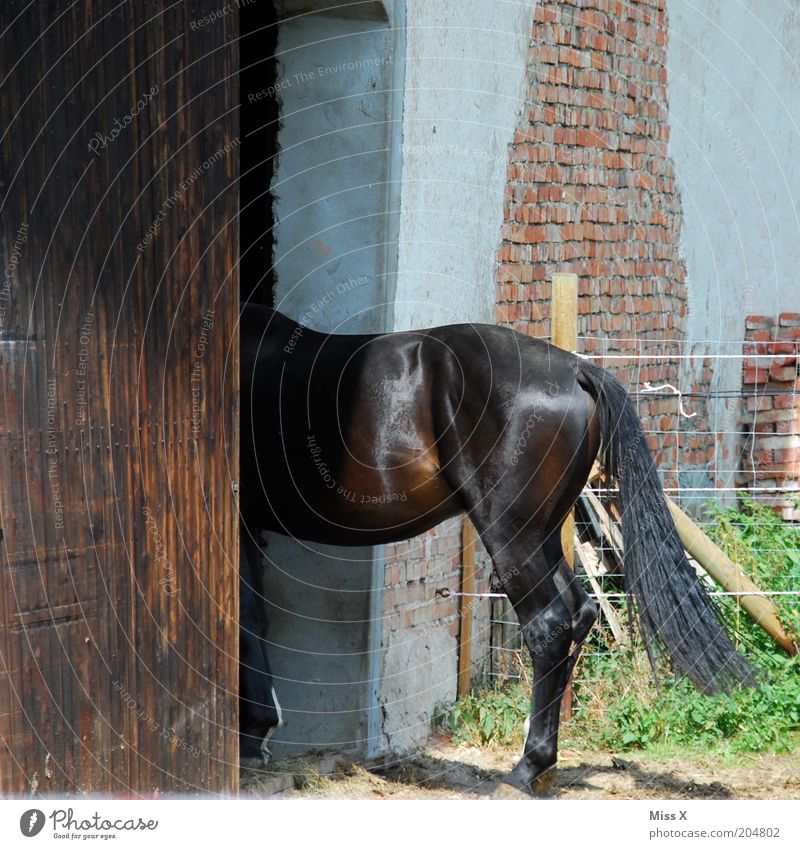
(542, 785)
(253, 762)
(508, 791)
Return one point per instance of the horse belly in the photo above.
(360, 505)
(406, 498)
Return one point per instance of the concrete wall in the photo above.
(335, 214)
(464, 90)
(332, 178)
(734, 100)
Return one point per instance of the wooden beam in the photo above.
(611, 532)
(564, 332)
(465, 610)
(761, 609)
(591, 566)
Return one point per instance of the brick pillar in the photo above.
(771, 455)
(591, 190)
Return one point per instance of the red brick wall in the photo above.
(421, 629)
(771, 412)
(591, 189)
(416, 568)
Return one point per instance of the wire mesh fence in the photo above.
(704, 415)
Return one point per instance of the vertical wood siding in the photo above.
(118, 565)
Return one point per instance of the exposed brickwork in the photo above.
(424, 629)
(415, 569)
(591, 188)
(771, 414)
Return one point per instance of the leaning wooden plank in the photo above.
(591, 566)
(730, 577)
(595, 474)
(589, 516)
(610, 530)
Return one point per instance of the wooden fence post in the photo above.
(564, 333)
(564, 330)
(465, 609)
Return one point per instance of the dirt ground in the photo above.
(445, 771)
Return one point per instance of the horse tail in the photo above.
(671, 603)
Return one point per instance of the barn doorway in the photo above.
(258, 127)
(320, 120)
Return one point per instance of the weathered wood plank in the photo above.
(118, 586)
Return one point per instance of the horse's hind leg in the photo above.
(583, 611)
(546, 622)
(517, 479)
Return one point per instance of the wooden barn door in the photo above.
(118, 424)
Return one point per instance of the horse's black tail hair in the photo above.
(672, 605)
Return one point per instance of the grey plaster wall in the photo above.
(419, 673)
(465, 87)
(335, 246)
(332, 180)
(319, 609)
(734, 97)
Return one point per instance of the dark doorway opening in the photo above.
(258, 121)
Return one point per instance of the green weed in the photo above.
(618, 706)
(486, 717)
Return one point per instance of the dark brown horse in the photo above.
(360, 440)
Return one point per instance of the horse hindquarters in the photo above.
(519, 518)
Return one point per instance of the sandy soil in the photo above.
(445, 771)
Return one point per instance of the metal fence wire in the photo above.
(715, 414)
